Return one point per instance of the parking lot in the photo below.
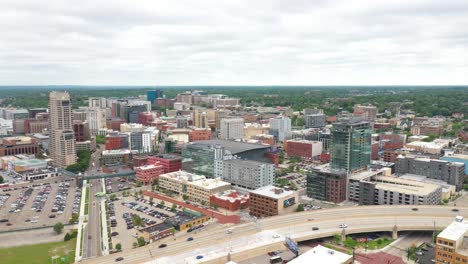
(38, 204)
(117, 185)
(126, 208)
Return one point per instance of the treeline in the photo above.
(427, 100)
(84, 157)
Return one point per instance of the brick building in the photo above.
(230, 200)
(81, 130)
(390, 156)
(200, 134)
(326, 184)
(270, 201)
(148, 173)
(304, 149)
(114, 123)
(170, 163)
(18, 145)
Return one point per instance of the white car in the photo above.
(276, 236)
(343, 226)
(229, 231)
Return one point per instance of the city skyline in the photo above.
(213, 43)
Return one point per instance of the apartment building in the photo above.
(270, 201)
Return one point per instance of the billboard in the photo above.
(289, 202)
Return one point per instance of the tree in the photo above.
(118, 247)
(141, 241)
(185, 197)
(138, 184)
(151, 199)
(162, 203)
(135, 244)
(101, 139)
(136, 220)
(300, 208)
(58, 228)
(1, 180)
(67, 237)
(174, 206)
(113, 197)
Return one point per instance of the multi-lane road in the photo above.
(249, 239)
(92, 232)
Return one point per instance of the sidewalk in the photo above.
(104, 234)
(81, 223)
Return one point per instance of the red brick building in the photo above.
(375, 151)
(199, 134)
(114, 123)
(273, 156)
(304, 149)
(113, 142)
(230, 200)
(81, 130)
(148, 173)
(33, 125)
(18, 145)
(145, 118)
(390, 156)
(170, 163)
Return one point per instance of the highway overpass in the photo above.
(248, 240)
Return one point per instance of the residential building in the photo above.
(271, 201)
(280, 128)
(141, 142)
(232, 128)
(368, 112)
(230, 200)
(452, 243)
(304, 149)
(253, 129)
(62, 139)
(350, 145)
(315, 120)
(81, 130)
(117, 141)
(248, 174)
(326, 184)
(196, 188)
(450, 172)
(148, 173)
(200, 119)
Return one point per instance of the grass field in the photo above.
(39, 254)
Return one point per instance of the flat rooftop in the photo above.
(395, 184)
(269, 191)
(233, 146)
(321, 254)
(454, 231)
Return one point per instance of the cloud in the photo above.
(264, 42)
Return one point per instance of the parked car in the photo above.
(190, 239)
(162, 245)
(343, 226)
(119, 259)
(315, 228)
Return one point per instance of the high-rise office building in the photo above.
(232, 128)
(315, 120)
(280, 128)
(350, 148)
(62, 138)
(153, 95)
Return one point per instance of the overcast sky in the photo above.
(237, 42)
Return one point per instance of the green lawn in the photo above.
(40, 253)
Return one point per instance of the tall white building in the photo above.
(280, 128)
(96, 118)
(232, 128)
(62, 138)
(248, 174)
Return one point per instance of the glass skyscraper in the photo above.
(350, 148)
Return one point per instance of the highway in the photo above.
(249, 239)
